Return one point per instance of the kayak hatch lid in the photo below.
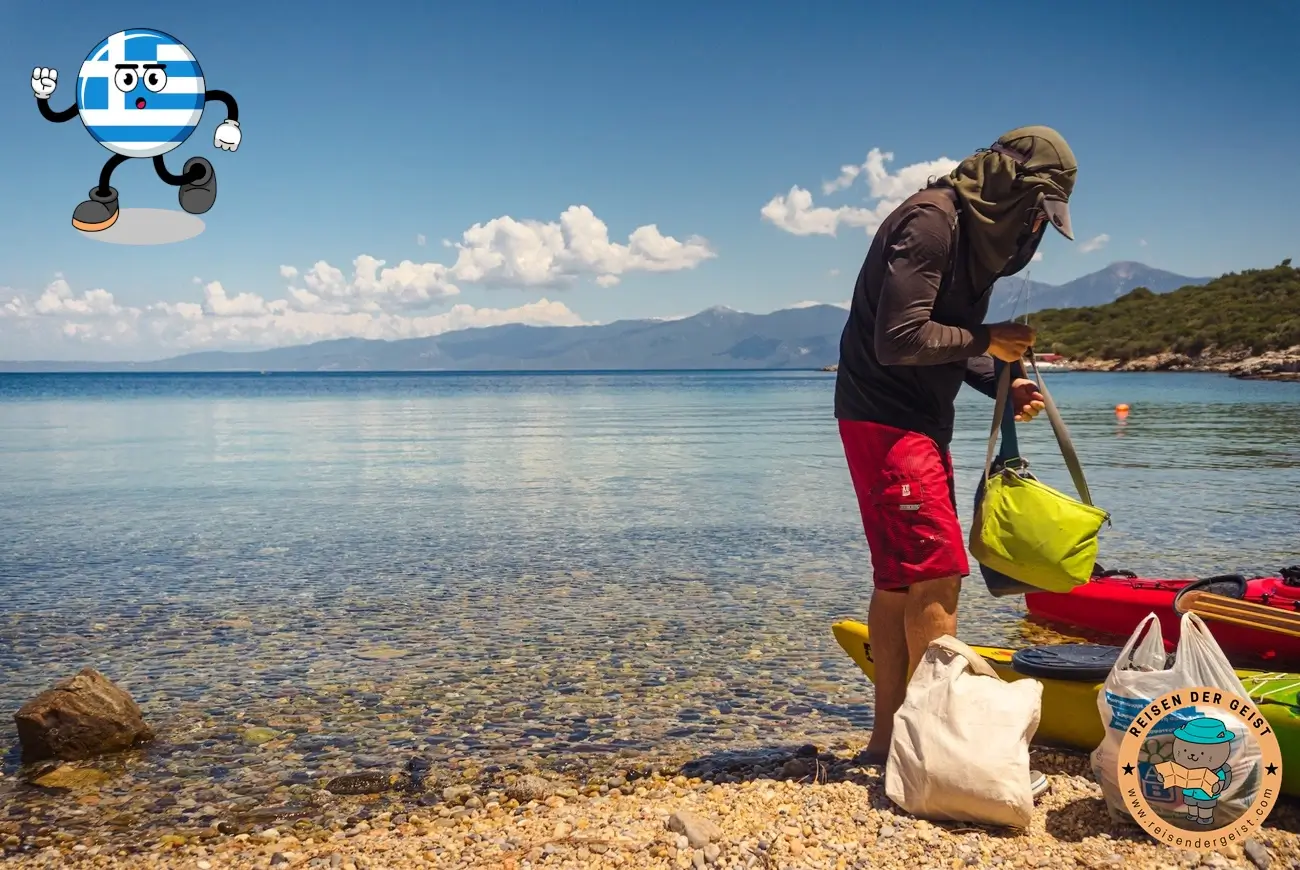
(1227, 585)
(1083, 662)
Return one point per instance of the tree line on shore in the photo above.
(1257, 310)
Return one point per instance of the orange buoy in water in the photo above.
(1121, 410)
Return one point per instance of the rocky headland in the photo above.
(1282, 365)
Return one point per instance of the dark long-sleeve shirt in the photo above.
(915, 330)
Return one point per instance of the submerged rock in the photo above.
(381, 653)
(419, 773)
(66, 776)
(368, 782)
(258, 735)
(82, 716)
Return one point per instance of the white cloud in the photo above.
(848, 174)
(1037, 257)
(833, 273)
(376, 300)
(59, 300)
(1142, 242)
(407, 285)
(420, 239)
(1096, 243)
(528, 253)
(795, 212)
(219, 304)
(93, 322)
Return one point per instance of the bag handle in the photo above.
(976, 661)
(1192, 624)
(1124, 661)
(1059, 429)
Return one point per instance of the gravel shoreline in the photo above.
(810, 810)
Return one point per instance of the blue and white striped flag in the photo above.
(127, 111)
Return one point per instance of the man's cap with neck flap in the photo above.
(1027, 172)
(1044, 154)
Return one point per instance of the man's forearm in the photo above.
(928, 343)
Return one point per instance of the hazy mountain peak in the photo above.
(1124, 268)
(1017, 296)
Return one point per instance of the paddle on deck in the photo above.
(1207, 605)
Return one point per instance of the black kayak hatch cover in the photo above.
(1083, 662)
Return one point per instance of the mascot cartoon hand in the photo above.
(44, 81)
(227, 136)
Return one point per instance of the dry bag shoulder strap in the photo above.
(1062, 437)
(1059, 429)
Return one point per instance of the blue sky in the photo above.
(367, 127)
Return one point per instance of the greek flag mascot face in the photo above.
(141, 94)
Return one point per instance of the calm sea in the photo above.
(556, 566)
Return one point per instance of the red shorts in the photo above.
(905, 491)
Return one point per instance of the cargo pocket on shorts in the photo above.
(911, 524)
(905, 497)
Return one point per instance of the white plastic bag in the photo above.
(961, 740)
(1139, 677)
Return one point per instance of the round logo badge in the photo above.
(1200, 768)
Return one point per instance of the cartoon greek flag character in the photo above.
(141, 94)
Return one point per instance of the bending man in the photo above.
(915, 333)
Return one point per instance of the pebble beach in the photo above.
(811, 809)
(550, 757)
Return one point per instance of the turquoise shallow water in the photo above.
(511, 569)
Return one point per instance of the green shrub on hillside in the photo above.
(1256, 310)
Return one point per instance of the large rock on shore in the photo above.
(1161, 362)
(1273, 364)
(83, 716)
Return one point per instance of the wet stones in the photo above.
(457, 794)
(368, 782)
(530, 788)
(68, 777)
(80, 717)
(418, 769)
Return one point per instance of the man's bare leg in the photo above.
(889, 651)
(931, 612)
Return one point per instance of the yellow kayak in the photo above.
(1070, 717)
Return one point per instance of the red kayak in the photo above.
(1116, 601)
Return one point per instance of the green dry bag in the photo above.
(1024, 528)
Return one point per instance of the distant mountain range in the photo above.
(1017, 296)
(717, 338)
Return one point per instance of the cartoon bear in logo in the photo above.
(1203, 746)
